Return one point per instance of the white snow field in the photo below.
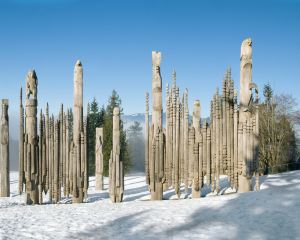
(272, 213)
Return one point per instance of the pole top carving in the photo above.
(156, 58)
(246, 49)
(31, 84)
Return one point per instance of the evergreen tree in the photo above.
(114, 101)
(95, 120)
(268, 93)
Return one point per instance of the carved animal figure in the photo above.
(31, 84)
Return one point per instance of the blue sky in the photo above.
(114, 40)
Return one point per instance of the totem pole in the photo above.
(31, 140)
(157, 157)
(116, 170)
(197, 165)
(248, 114)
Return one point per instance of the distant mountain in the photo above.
(140, 117)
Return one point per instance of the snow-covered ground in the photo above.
(272, 213)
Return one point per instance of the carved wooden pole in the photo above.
(70, 154)
(31, 138)
(181, 133)
(52, 158)
(218, 146)
(84, 158)
(208, 156)
(21, 146)
(186, 140)
(61, 149)
(170, 145)
(157, 190)
(64, 154)
(4, 151)
(116, 171)
(203, 160)
(231, 114)
(196, 167)
(56, 163)
(174, 123)
(147, 137)
(44, 161)
(47, 147)
(245, 98)
(40, 159)
(177, 155)
(191, 154)
(78, 177)
(236, 141)
(213, 144)
(225, 123)
(256, 146)
(67, 157)
(167, 183)
(99, 158)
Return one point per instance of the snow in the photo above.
(272, 213)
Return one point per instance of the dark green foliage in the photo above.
(94, 120)
(103, 117)
(114, 101)
(268, 93)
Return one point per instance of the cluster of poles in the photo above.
(53, 158)
(184, 151)
(195, 153)
(52, 155)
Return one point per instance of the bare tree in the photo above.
(279, 116)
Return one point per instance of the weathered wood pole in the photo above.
(196, 165)
(147, 156)
(40, 159)
(78, 178)
(158, 154)
(245, 98)
(218, 138)
(177, 155)
(167, 142)
(31, 139)
(99, 159)
(21, 145)
(236, 141)
(116, 171)
(4, 150)
(186, 140)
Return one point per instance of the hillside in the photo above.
(272, 213)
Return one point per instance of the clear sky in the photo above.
(114, 40)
